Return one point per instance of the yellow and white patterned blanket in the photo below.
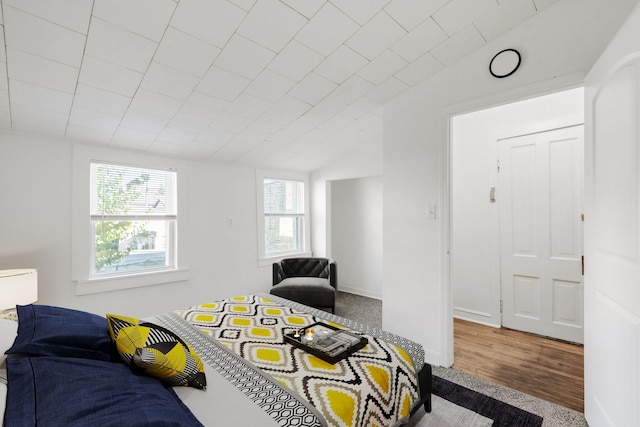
(376, 386)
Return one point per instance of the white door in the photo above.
(540, 199)
(612, 232)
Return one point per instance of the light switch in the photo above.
(431, 212)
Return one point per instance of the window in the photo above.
(126, 231)
(282, 215)
(133, 219)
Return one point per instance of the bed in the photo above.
(68, 367)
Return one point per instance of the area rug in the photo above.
(501, 413)
(454, 405)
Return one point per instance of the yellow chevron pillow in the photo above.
(156, 351)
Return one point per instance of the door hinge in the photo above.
(500, 306)
(498, 161)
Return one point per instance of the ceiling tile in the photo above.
(360, 108)
(271, 24)
(4, 101)
(133, 138)
(204, 105)
(295, 61)
(199, 150)
(543, 4)
(304, 123)
(420, 69)
(360, 11)
(457, 14)
(4, 79)
(387, 90)
(119, 46)
(244, 57)
(185, 53)
(3, 48)
(270, 86)
(215, 137)
(40, 71)
(39, 97)
(189, 122)
(147, 18)
(94, 120)
(177, 136)
(211, 21)
(248, 106)
(376, 36)
(72, 14)
(100, 100)
(341, 64)
(312, 89)
(289, 108)
(5, 119)
(268, 124)
(166, 148)
(144, 121)
(222, 84)
(327, 30)
(352, 89)
(508, 15)
(230, 123)
(155, 103)
(383, 67)
(167, 81)
(36, 120)
(83, 134)
(306, 7)
(42, 38)
(410, 13)
(461, 44)
(326, 109)
(420, 40)
(244, 4)
(110, 77)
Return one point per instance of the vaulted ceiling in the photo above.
(264, 83)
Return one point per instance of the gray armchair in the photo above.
(309, 281)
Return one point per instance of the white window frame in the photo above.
(261, 175)
(82, 240)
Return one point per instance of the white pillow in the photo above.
(8, 332)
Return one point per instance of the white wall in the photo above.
(364, 161)
(35, 231)
(475, 280)
(356, 235)
(558, 46)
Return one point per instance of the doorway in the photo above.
(475, 267)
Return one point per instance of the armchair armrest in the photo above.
(333, 274)
(278, 273)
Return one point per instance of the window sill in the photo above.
(263, 262)
(109, 284)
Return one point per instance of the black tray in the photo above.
(330, 344)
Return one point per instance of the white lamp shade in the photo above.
(18, 287)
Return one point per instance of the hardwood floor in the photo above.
(549, 369)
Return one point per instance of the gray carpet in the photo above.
(444, 413)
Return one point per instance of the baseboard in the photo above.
(476, 317)
(493, 325)
(359, 291)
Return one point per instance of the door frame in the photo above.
(446, 114)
